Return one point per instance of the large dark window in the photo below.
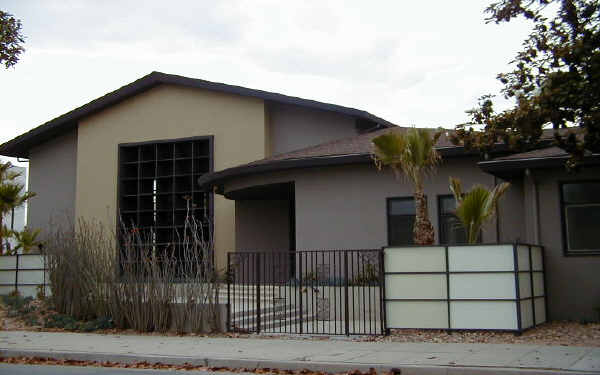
(401, 220)
(451, 230)
(581, 217)
(158, 187)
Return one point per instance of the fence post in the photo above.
(346, 309)
(382, 304)
(517, 289)
(300, 289)
(228, 276)
(17, 272)
(257, 292)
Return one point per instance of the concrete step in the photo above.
(268, 315)
(252, 310)
(272, 324)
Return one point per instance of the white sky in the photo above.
(413, 63)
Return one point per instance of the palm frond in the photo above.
(477, 206)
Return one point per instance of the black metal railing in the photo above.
(306, 292)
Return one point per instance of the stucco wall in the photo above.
(52, 175)
(252, 217)
(511, 213)
(573, 281)
(293, 127)
(167, 112)
(345, 207)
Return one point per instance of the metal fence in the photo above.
(22, 272)
(306, 292)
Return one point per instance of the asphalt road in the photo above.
(6, 369)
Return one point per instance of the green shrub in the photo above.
(15, 301)
(69, 323)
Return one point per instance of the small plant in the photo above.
(476, 207)
(14, 301)
(27, 240)
(41, 293)
(369, 276)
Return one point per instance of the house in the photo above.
(331, 196)
(138, 151)
(279, 173)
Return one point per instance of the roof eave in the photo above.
(20, 145)
(217, 179)
(515, 167)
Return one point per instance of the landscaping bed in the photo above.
(21, 314)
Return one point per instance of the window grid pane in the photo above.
(158, 186)
(401, 220)
(451, 230)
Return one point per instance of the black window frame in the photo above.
(563, 222)
(440, 215)
(193, 175)
(387, 214)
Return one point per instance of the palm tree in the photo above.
(413, 155)
(11, 196)
(476, 207)
(27, 240)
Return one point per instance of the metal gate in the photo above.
(337, 292)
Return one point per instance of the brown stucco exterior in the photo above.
(292, 127)
(167, 112)
(52, 176)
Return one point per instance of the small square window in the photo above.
(451, 231)
(580, 206)
(401, 220)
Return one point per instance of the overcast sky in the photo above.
(417, 63)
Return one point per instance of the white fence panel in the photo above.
(488, 286)
(22, 272)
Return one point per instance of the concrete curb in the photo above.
(332, 367)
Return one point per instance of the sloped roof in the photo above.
(356, 149)
(20, 146)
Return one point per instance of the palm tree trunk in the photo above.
(423, 233)
(1, 235)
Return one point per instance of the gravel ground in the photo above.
(553, 333)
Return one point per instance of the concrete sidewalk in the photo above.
(333, 355)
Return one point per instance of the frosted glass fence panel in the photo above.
(523, 257)
(8, 262)
(483, 315)
(418, 286)
(482, 286)
(489, 286)
(527, 313)
(524, 285)
(415, 259)
(417, 314)
(23, 272)
(30, 277)
(481, 258)
(28, 262)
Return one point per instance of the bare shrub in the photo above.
(196, 299)
(81, 263)
(130, 279)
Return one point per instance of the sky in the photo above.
(419, 63)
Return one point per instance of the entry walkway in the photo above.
(332, 355)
